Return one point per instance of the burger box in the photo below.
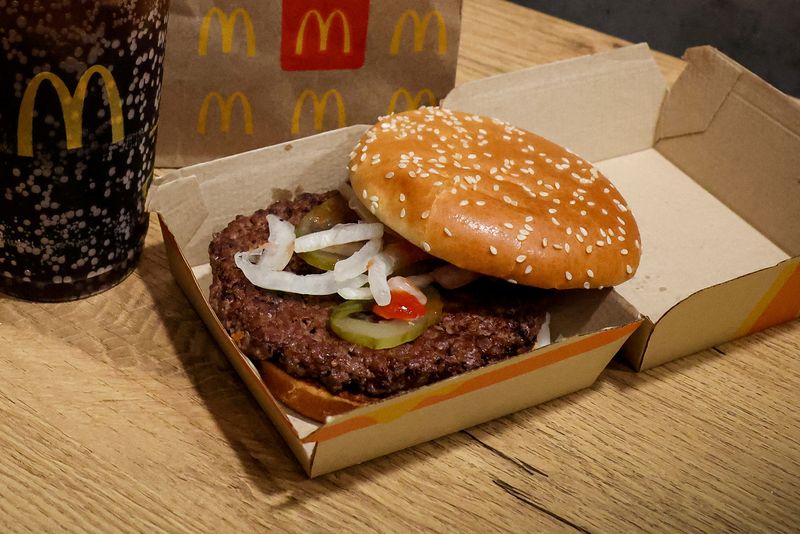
(710, 168)
(716, 260)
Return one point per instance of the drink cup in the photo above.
(80, 83)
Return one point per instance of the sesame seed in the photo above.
(568, 275)
(464, 203)
(374, 198)
(528, 227)
(402, 212)
(586, 285)
(496, 187)
(528, 218)
(624, 251)
(425, 214)
(493, 250)
(448, 232)
(600, 243)
(621, 220)
(511, 280)
(589, 249)
(629, 269)
(552, 210)
(566, 247)
(579, 237)
(555, 221)
(364, 194)
(521, 237)
(557, 246)
(544, 242)
(402, 197)
(569, 230)
(590, 273)
(508, 225)
(528, 269)
(480, 203)
(636, 242)
(521, 258)
(426, 246)
(583, 231)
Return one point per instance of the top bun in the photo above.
(496, 199)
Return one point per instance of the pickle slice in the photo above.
(353, 322)
(323, 217)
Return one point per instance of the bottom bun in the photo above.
(307, 398)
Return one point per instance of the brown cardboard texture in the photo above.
(588, 327)
(710, 169)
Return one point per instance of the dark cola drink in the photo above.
(79, 89)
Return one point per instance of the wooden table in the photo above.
(119, 412)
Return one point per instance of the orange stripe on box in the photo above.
(784, 306)
(481, 381)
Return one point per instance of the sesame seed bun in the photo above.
(492, 198)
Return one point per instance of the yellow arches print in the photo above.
(227, 25)
(324, 26)
(71, 107)
(225, 109)
(420, 29)
(318, 105)
(412, 102)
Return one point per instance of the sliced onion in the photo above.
(357, 263)
(355, 293)
(354, 204)
(278, 251)
(543, 337)
(421, 280)
(309, 284)
(401, 283)
(379, 268)
(338, 235)
(452, 277)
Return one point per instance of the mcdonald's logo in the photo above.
(412, 102)
(225, 106)
(227, 24)
(71, 108)
(420, 30)
(319, 106)
(318, 36)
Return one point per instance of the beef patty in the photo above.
(483, 322)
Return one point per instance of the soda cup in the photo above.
(80, 83)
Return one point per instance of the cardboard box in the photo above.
(711, 170)
(589, 326)
(716, 263)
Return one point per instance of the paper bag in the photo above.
(246, 74)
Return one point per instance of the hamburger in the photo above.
(431, 261)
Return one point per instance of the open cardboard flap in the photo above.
(587, 327)
(709, 169)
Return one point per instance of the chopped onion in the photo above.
(379, 268)
(355, 204)
(278, 251)
(452, 277)
(401, 283)
(338, 235)
(357, 263)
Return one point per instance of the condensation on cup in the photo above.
(79, 88)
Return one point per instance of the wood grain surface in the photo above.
(119, 413)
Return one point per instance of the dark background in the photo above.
(762, 35)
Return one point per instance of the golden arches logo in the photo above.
(71, 108)
(420, 29)
(225, 108)
(412, 102)
(324, 26)
(319, 105)
(227, 24)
